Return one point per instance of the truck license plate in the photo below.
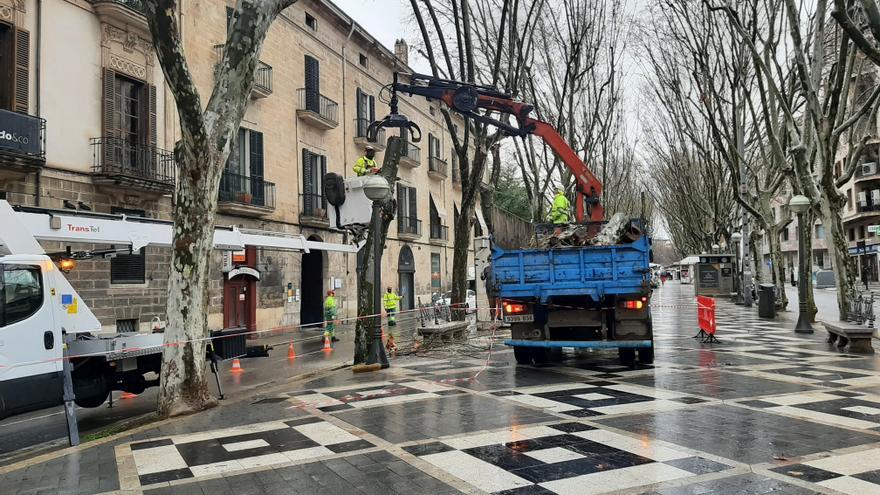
(519, 318)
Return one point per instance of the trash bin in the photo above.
(767, 301)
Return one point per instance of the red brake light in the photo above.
(633, 304)
(514, 308)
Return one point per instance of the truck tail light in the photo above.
(637, 304)
(512, 308)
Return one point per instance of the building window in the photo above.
(862, 232)
(366, 111)
(363, 61)
(14, 68)
(129, 268)
(313, 84)
(243, 178)
(820, 259)
(785, 234)
(314, 167)
(311, 22)
(852, 234)
(433, 146)
(820, 231)
(407, 204)
(435, 273)
(849, 199)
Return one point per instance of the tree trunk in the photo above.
(843, 263)
(183, 382)
(363, 336)
(469, 188)
(778, 268)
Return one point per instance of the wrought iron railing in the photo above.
(412, 152)
(437, 165)
(409, 226)
(120, 157)
(314, 206)
(314, 101)
(135, 5)
(360, 131)
(263, 76)
(246, 190)
(439, 232)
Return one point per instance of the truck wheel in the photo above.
(92, 400)
(541, 355)
(646, 355)
(523, 355)
(627, 356)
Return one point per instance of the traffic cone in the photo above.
(236, 366)
(327, 346)
(127, 395)
(291, 353)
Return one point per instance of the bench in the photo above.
(850, 337)
(450, 330)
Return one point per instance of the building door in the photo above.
(237, 301)
(406, 269)
(312, 286)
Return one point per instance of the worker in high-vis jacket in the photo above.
(390, 301)
(560, 208)
(330, 316)
(366, 164)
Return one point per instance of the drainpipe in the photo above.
(39, 174)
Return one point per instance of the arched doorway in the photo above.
(312, 286)
(406, 269)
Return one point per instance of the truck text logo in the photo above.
(80, 228)
(15, 138)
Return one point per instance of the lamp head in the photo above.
(376, 188)
(736, 237)
(799, 203)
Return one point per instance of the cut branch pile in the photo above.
(619, 230)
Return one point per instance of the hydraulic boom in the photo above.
(466, 99)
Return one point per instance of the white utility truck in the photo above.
(40, 310)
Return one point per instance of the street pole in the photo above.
(803, 323)
(376, 353)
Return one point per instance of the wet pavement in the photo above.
(764, 411)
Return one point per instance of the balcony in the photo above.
(316, 109)
(127, 165)
(439, 233)
(262, 78)
(22, 142)
(314, 210)
(437, 167)
(244, 195)
(409, 228)
(411, 155)
(867, 171)
(123, 13)
(360, 135)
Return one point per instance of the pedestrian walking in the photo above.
(330, 316)
(365, 164)
(390, 300)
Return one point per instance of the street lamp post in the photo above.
(800, 204)
(736, 238)
(377, 190)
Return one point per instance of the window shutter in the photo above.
(372, 110)
(401, 199)
(308, 184)
(22, 70)
(255, 159)
(313, 84)
(152, 113)
(109, 103)
(320, 189)
(412, 205)
(359, 106)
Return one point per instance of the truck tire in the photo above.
(646, 355)
(92, 400)
(627, 356)
(541, 355)
(523, 355)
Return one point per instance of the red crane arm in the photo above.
(589, 188)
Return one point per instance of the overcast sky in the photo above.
(384, 19)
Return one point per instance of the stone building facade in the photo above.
(85, 81)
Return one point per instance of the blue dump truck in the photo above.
(593, 296)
